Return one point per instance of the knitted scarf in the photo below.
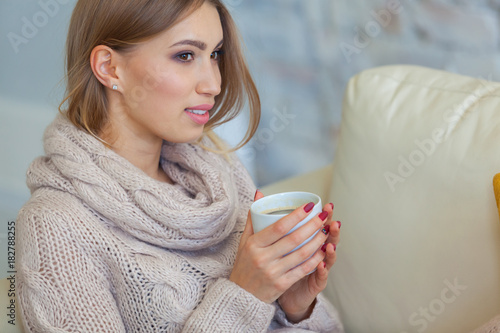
(197, 212)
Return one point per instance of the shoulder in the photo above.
(50, 203)
(51, 215)
(53, 223)
(44, 225)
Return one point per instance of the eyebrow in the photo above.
(196, 43)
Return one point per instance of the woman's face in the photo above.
(169, 83)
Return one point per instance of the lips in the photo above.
(199, 114)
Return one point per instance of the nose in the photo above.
(209, 80)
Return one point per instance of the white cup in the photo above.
(260, 209)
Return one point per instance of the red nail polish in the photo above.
(255, 196)
(326, 229)
(324, 264)
(339, 223)
(334, 247)
(323, 215)
(323, 248)
(309, 207)
(331, 204)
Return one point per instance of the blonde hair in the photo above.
(123, 24)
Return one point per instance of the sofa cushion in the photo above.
(420, 239)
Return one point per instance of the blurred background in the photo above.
(301, 53)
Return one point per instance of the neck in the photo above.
(145, 158)
(142, 151)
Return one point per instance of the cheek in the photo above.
(155, 82)
(173, 86)
(219, 75)
(167, 80)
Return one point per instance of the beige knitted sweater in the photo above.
(105, 248)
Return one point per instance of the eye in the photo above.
(216, 55)
(185, 57)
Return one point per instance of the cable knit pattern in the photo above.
(105, 248)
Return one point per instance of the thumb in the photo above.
(258, 195)
(248, 227)
(247, 232)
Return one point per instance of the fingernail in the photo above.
(309, 207)
(326, 229)
(324, 264)
(255, 196)
(323, 215)
(323, 248)
(334, 247)
(331, 204)
(339, 223)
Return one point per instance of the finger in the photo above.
(298, 272)
(329, 208)
(321, 276)
(258, 195)
(334, 235)
(280, 228)
(297, 257)
(291, 241)
(330, 255)
(319, 279)
(248, 231)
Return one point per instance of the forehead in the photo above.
(202, 24)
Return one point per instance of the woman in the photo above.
(137, 221)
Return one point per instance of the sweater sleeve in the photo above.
(228, 308)
(324, 318)
(59, 287)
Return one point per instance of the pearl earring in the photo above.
(115, 87)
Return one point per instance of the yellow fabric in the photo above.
(496, 187)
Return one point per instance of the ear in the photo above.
(103, 63)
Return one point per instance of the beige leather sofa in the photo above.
(412, 185)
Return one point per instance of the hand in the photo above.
(298, 301)
(263, 266)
